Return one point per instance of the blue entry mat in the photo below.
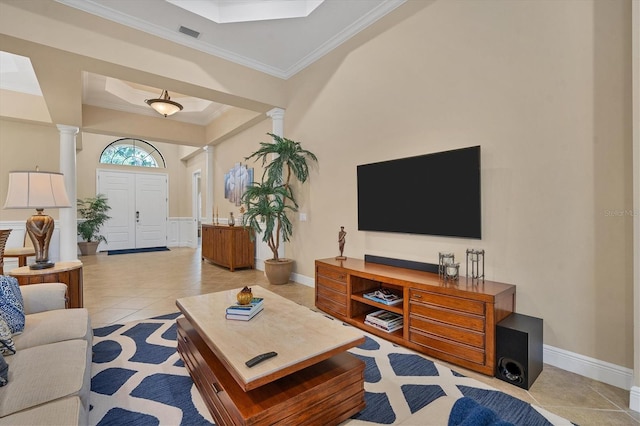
(137, 250)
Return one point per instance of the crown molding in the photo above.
(94, 8)
(362, 23)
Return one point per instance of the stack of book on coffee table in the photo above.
(384, 320)
(245, 312)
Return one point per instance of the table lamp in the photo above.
(38, 190)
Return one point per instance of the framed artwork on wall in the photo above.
(236, 181)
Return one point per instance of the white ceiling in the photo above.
(277, 46)
(280, 47)
(119, 95)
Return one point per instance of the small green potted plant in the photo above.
(268, 202)
(93, 211)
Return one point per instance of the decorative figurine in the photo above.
(341, 240)
(245, 296)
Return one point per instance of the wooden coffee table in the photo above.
(312, 380)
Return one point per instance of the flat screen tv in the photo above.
(432, 194)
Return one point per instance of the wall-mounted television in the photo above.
(432, 194)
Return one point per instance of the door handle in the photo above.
(138, 217)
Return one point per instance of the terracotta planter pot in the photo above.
(88, 248)
(278, 271)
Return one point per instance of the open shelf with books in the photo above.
(376, 294)
(363, 303)
(359, 298)
(384, 320)
(394, 336)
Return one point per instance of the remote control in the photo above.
(259, 358)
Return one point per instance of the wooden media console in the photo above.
(450, 320)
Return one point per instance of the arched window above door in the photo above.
(132, 152)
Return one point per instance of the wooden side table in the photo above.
(69, 273)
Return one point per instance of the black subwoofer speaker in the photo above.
(519, 350)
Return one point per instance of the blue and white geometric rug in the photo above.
(138, 378)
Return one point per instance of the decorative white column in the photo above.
(209, 186)
(277, 117)
(68, 217)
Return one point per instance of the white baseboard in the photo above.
(300, 279)
(634, 398)
(181, 232)
(303, 279)
(592, 368)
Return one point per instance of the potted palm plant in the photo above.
(93, 211)
(269, 202)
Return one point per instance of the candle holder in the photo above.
(476, 259)
(452, 271)
(444, 259)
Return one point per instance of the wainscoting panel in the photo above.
(181, 232)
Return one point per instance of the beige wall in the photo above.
(42, 143)
(543, 88)
(225, 156)
(233, 151)
(192, 165)
(23, 146)
(88, 162)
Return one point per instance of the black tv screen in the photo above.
(432, 194)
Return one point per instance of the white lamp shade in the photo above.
(165, 108)
(164, 105)
(36, 190)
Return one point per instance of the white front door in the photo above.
(120, 230)
(151, 210)
(138, 209)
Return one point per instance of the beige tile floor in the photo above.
(130, 287)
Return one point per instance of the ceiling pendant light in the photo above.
(164, 105)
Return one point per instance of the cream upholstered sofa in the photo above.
(50, 373)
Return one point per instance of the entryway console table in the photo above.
(69, 273)
(228, 246)
(454, 321)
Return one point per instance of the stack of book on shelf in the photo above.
(245, 312)
(384, 296)
(384, 320)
